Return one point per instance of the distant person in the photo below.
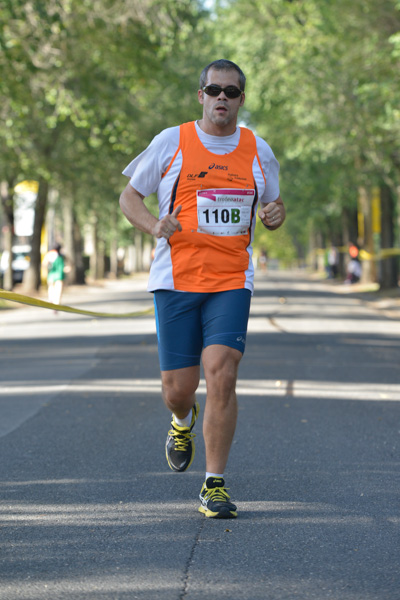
(262, 260)
(333, 262)
(354, 268)
(56, 272)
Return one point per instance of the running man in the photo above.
(209, 175)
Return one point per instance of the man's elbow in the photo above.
(122, 202)
(127, 198)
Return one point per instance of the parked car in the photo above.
(20, 262)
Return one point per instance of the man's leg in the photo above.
(178, 317)
(220, 369)
(179, 386)
(225, 318)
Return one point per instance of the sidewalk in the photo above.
(386, 302)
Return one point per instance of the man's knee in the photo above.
(179, 386)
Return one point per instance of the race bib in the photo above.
(224, 211)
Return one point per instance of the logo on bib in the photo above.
(193, 176)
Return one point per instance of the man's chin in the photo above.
(221, 120)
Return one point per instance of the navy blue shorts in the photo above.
(187, 322)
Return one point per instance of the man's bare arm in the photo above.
(137, 213)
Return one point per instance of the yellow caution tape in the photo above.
(387, 252)
(21, 299)
(365, 255)
(384, 253)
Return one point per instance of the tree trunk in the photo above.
(78, 253)
(97, 267)
(32, 274)
(68, 236)
(138, 239)
(366, 239)
(389, 268)
(73, 243)
(114, 246)
(398, 215)
(349, 236)
(94, 243)
(100, 251)
(7, 202)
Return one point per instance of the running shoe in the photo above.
(179, 447)
(215, 500)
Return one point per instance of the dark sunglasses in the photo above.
(230, 92)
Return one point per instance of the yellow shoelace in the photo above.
(218, 493)
(181, 439)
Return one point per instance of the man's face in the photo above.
(219, 112)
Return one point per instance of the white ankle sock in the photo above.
(219, 475)
(184, 422)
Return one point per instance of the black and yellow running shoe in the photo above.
(179, 447)
(215, 500)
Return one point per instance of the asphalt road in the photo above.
(90, 510)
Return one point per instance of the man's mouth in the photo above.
(221, 109)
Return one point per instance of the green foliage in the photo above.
(323, 90)
(85, 85)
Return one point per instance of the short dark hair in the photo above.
(223, 65)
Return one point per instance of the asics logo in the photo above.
(220, 167)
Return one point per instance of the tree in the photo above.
(77, 82)
(321, 92)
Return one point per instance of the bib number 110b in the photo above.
(221, 215)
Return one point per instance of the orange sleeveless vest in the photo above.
(218, 195)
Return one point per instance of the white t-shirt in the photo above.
(147, 169)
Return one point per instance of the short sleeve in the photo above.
(146, 170)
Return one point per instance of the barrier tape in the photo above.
(21, 299)
(384, 253)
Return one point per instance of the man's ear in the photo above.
(200, 96)
(242, 99)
